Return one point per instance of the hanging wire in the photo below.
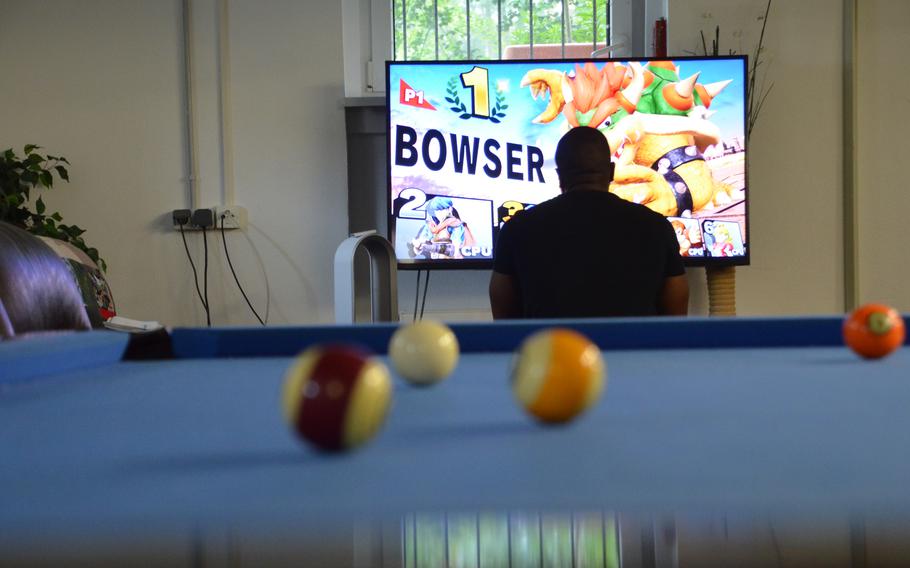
(426, 286)
(416, 295)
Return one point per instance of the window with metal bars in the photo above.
(498, 29)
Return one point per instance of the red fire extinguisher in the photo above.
(660, 38)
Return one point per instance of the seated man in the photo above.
(587, 252)
(37, 290)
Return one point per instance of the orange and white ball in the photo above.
(874, 330)
(558, 374)
(336, 397)
(424, 352)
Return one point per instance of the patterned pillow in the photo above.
(96, 293)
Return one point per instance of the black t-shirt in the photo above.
(588, 254)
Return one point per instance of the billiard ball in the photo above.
(423, 352)
(557, 374)
(874, 330)
(336, 397)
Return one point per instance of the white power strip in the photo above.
(235, 217)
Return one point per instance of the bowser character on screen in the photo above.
(657, 126)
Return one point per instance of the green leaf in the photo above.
(52, 231)
(57, 217)
(61, 171)
(29, 147)
(34, 159)
(9, 155)
(46, 179)
(39, 206)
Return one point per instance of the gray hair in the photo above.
(37, 290)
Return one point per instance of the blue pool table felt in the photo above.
(203, 441)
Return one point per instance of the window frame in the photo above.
(368, 38)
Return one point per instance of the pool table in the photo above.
(750, 416)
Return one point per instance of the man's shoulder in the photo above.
(639, 212)
(532, 214)
(568, 205)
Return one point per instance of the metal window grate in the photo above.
(497, 29)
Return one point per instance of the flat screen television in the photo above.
(471, 145)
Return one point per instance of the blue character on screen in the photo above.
(444, 234)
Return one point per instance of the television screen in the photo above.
(471, 145)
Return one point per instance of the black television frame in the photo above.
(487, 264)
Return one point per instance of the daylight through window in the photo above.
(498, 29)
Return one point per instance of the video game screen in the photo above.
(472, 143)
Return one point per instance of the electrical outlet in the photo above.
(234, 217)
(181, 217)
(203, 218)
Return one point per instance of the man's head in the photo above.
(583, 160)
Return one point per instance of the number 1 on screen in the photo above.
(478, 81)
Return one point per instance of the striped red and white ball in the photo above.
(558, 374)
(873, 331)
(336, 397)
(424, 352)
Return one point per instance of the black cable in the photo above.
(426, 286)
(205, 279)
(193, 266)
(416, 295)
(237, 280)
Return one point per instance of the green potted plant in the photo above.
(20, 180)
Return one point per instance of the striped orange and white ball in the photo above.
(336, 397)
(558, 374)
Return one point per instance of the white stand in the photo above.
(366, 279)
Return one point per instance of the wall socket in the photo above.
(235, 217)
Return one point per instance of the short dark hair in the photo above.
(583, 155)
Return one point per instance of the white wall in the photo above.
(101, 82)
(795, 179)
(882, 124)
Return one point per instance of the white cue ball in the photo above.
(424, 352)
